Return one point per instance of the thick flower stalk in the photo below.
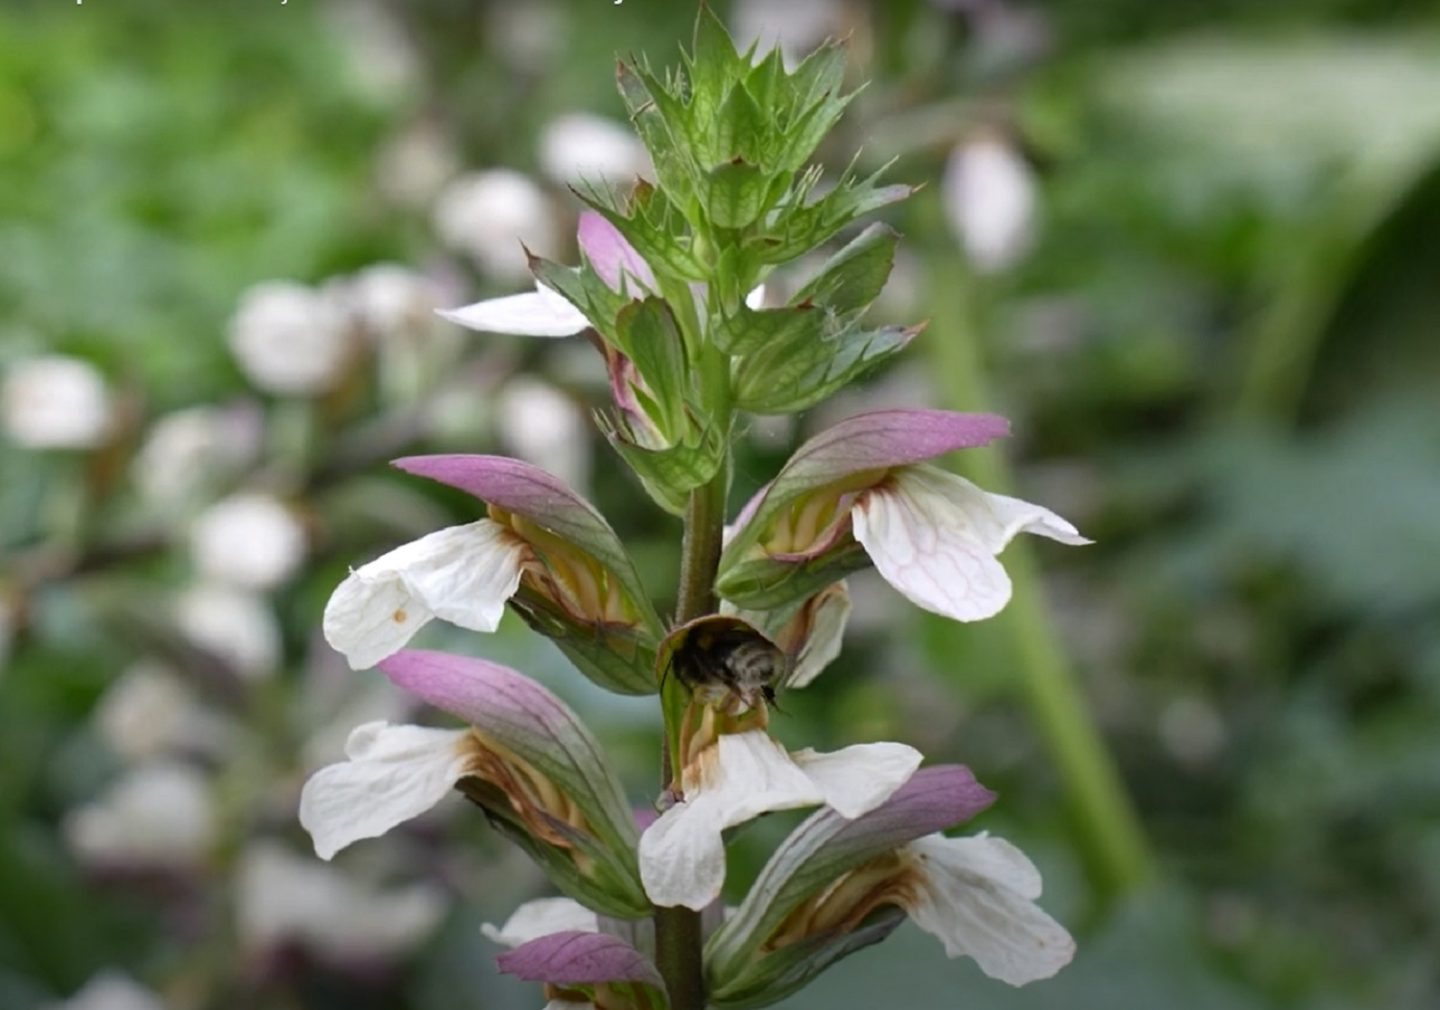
(670, 292)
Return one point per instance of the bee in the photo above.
(724, 657)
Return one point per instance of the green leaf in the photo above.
(767, 82)
(735, 194)
(616, 658)
(799, 141)
(765, 584)
(713, 64)
(649, 335)
(820, 74)
(800, 226)
(653, 225)
(772, 976)
(749, 330)
(740, 130)
(611, 889)
(776, 381)
(586, 290)
(854, 277)
(670, 474)
(668, 148)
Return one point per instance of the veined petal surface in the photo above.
(934, 536)
(393, 774)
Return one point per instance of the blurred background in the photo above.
(1188, 248)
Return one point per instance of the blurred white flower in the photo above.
(149, 711)
(487, 215)
(249, 540)
(111, 990)
(55, 402)
(1191, 729)
(188, 449)
(236, 625)
(379, 53)
(289, 338)
(283, 898)
(542, 425)
(526, 35)
(415, 163)
(990, 199)
(392, 302)
(158, 815)
(580, 147)
(796, 26)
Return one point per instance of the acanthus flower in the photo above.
(732, 771)
(543, 549)
(526, 759)
(837, 885)
(861, 488)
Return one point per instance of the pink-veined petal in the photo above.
(934, 537)
(977, 896)
(580, 958)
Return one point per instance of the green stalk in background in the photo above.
(1116, 854)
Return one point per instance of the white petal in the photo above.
(542, 917)
(394, 773)
(682, 855)
(856, 780)
(538, 313)
(368, 619)
(756, 299)
(463, 574)
(934, 536)
(978, 899)
(827, 635)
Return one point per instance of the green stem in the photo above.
(700, 552)
(677, 955)
(677, 930)
(1112, 844)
